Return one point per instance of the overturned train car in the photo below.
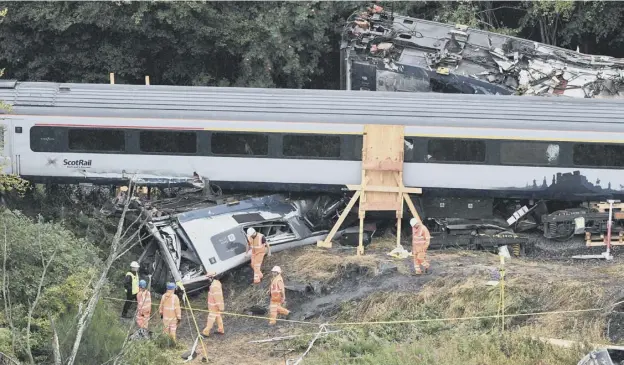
(186, 245)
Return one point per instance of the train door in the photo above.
(6, 139)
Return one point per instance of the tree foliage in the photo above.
(63, 286)
(188, 43)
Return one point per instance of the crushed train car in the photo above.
(382, 51)
(186, 245)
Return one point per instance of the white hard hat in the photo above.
(134, 264)
(250, 231)
(276, 269)
(414, 222)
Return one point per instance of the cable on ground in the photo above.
(338, 324)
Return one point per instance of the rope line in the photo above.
(322, 330)
(407, 320)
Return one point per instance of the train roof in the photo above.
(297, 105)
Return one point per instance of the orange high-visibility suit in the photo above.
(144, 308)
(170, 311)
(258, 247)
(215, 305)
(420, 243)
(278, 297)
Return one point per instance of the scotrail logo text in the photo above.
(77, 163)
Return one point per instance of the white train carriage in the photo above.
(475, 148)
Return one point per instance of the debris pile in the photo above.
(388, 52)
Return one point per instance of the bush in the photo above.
(147, 353)
(102, 340)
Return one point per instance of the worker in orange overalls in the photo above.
(170, 312)
(215, 305)
(420, 243)
(278, 296)
(257, 244)
(144, 306)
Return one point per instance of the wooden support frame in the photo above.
(601, 240)
(381, 187)
(112, 78)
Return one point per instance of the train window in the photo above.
(46, 139)
(168, 142)
(598, 155)
(358, 142)
(311, 146)
(408, 149)
(529, 153)
(96, 140)
(240, 144)
(456, 150)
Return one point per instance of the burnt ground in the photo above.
(321, 282)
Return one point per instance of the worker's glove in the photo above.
(161, 317)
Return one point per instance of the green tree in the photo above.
(8, 182)
(184, 43)
(70, 264)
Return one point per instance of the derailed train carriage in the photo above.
(213, 237)
(477, 158)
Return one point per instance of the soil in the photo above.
(319, 301)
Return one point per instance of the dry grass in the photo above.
(317, 264)
(238, 350)
(468, 349)
(385, 243)
(251, 295)
(460, 296)
(475, 341)
(461, 292)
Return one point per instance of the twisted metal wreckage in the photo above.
(386, 52)
(200, 229)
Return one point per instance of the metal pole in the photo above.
(348, 68)
(609, 227)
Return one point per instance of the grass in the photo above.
(385, 243)
(466, 349)
(474, 341)
(317, 264)
(459, 292)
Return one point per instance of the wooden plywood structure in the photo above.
(382, 187)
